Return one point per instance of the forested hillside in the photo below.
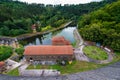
(103, 26)
(17, 17)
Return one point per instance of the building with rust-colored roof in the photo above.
(48, 53)
(60, 40)
(2, 66)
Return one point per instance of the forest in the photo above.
(97, 21)
(16, 17)
(102, 26)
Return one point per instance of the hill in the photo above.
(102, 26)
(17, 17)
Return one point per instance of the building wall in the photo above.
(48, 57)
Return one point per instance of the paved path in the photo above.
(110, 58)
(39, 72)
(79, 55)
(36, 72)
(12, 64)
(111, 72)
(79, 40)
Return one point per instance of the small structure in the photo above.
(60, 40)
(2, 67)
(48, 53)
(90, 43)
(2, 43)
(13, 43)
(108, 49)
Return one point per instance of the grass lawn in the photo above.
(34, 67)
(76, 66)
(95, 53)
(14, 72)
(117, 57)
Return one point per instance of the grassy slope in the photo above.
(14, 72)
(76, 66)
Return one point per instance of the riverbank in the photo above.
(78, 38)
(28, 35)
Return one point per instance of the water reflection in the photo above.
(67, 33)
(37, 41)
(46, 39)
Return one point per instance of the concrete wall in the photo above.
(48, 57)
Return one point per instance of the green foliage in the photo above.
(46, 28)
(19, 51)
(74, 44)
(5, 52)
(103, 26)
(17, 17)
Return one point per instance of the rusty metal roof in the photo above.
(2, 63)
(60, 40)
(48, 50)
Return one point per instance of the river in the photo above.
(46, 38)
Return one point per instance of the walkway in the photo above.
(110, 58)
(36, 72)
(40, 72)
(12, 64)
(111, 72)
(79, 55)
(79, 40)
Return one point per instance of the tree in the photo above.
(102, 26)
(17, 15)
(19, 51)
(5, 52)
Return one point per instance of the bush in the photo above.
(5, 52)
(20, 51)
(46, 28)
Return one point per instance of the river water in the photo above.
(46, 38)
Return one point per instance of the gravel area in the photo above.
(111, 72)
